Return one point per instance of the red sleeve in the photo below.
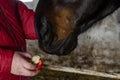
(27, 18)
(5, 60)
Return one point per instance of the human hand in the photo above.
(21, 64)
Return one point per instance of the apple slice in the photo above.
(37, 60)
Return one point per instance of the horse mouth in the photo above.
(49, 40)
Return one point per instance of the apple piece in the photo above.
(39, 65)
(35, 59)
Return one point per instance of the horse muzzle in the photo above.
(48, 41)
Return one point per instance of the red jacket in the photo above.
(16, 25)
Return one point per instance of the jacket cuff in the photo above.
(6, 60)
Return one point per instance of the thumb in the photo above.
(26, 56)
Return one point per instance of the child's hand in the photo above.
(21, 65)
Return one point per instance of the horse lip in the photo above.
(61, 48)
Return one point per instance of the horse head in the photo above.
(59, 22)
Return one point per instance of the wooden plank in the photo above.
(67, 73)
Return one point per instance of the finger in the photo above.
(27, 72)
(29, 65)
(27, 55)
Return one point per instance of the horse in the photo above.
(59, 22)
